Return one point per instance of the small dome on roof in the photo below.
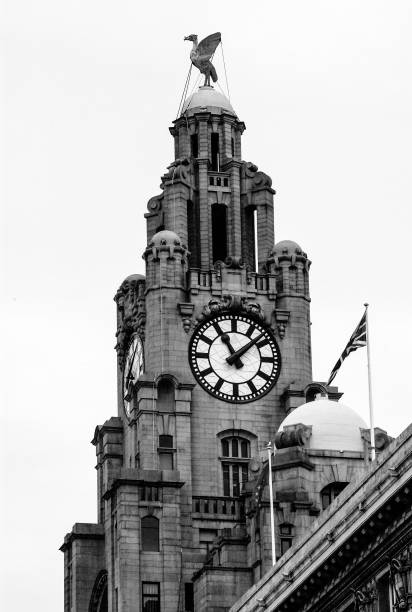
(207, 97)
(134, 278)
(165, 238)
(334, 425)
(287, 246)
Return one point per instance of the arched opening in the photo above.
(330, 492)
(219, 232)
(192, 212)
(165, 396)
(98, 600)
(314, 392)
(150, 534)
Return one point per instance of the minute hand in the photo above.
(243, 349)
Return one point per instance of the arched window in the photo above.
(98, 600)
(313, 392)
(235, 462)
(165, 396)
(330, 492)
(150, 534)
(219, 232)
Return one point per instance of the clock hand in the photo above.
(234, 356)
(238, 362)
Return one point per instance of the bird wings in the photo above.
(207, 47)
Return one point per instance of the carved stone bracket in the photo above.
(364, 596)
(233, 304)
(399, 568)
(131, 313)
(179, 170)
(282, 319)
(186, 311)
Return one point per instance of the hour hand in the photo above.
(236, 354)
(238, 362)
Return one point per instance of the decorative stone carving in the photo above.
(131, 313)
(186, 311)
(178, 170)
(399, 568)
(234, 304)
(154, 205)
(364, 596)
(282, 319)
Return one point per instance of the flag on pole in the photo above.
(357, 340)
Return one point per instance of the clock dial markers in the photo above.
(234, 358)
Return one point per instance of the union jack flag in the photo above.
(357, 340)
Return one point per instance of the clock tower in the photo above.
(213, 351)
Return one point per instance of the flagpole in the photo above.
(371, 414)
(272, 517)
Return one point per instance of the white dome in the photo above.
(334, 425)
(207, 97)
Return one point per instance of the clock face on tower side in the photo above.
(133, 367)
(234, 358)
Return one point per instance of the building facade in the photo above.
(213, 357)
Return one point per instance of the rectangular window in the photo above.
(189, 602)
(226, 480)
(383, 594)
(214, 142)
(194, 145)
(285, 544)
(151, 596)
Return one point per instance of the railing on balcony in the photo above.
(230, 507)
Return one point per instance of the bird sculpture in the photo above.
(201, 53)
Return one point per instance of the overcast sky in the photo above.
(91, 88)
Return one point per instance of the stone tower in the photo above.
(213, 351)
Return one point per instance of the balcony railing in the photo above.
(227, 507)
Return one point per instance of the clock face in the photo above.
(133, 368)
(234, 358)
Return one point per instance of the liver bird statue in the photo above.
(201, 53)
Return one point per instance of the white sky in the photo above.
(91, 88)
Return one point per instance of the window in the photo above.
(286, 537)
(214, 145)
(383, 594)
(233, 146)
(165, 451)
(193, 238)
(151, 597)
(194, 145)
(165, 396)
(235, 472)
(189, 602)
(330, 492)
(219, 232)
(150, 534)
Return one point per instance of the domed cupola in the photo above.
(327, 425)
(207, 98)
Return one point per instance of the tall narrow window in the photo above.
(383, 594)
(330, 492)
(234, 471)
(150, 534)
(193, 237)
(214, 142)
(151, 597)
(165, 396)
(286, 537)
(194, 145)
(189, 601)
(165, 451)
(233, 147)
(219, 232)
